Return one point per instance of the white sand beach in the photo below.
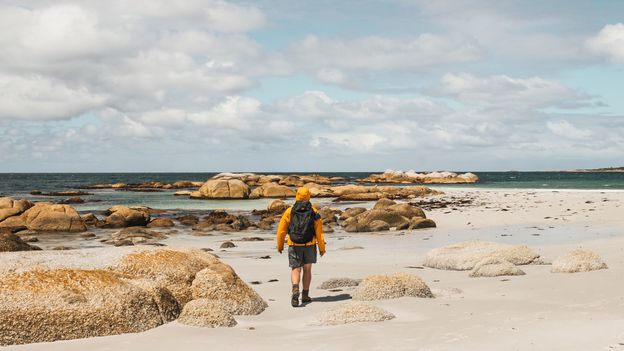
(537, 311)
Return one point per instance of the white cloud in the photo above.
(511, 31)
(512, 93)
(62, 60)
(353, 142)
(381, 53)
(235, 112)
(609, 42)
(330, 75)
(179, 79)
(565, 129)
(317, 104)
(41, 98)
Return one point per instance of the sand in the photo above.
(537, 311)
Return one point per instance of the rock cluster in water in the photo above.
(409, 177)
(384, 215)
(39, 216)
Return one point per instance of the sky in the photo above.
(282, 85)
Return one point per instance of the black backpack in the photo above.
(301, 227)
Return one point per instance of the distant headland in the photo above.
(608, 169)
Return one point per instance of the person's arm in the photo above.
(320, 240)
(282, 230)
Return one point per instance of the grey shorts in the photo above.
(300, 255)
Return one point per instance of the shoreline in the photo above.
(512, 312)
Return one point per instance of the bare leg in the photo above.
(307, 276)
(295, 275)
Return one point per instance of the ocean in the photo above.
(20, 185)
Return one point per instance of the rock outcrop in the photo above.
(336, 283)
(10, 242)
(160, 223)
(222, 189)
(578, 261)
(384, 215)
(222, 221)
(412, 177)
(378, 287)
(134, 236)
(354, 312)
(252, 179)
(59, 295)
(466, 255)
(272, 190)
(122, 216)
(181, 184)
(187, 220)
(90, 219)
(277, 207)
(206, 313)
(495, 267)
(47, 217)
(173, 269)
(219, 282)
(61, 304)
(10, 207)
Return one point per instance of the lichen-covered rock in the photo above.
(172, 269)
(222, 189)
(378, 287)
(495, 267)
(354, 312)
(168, 307)
(335, 283)
(53, 295)
(206, 313)
(48, 217)
(465, 255)
(578, 261)
(61, 304)
(219, 282)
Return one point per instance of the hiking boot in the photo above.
(294, 301)
(305, 298)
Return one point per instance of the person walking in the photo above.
(302, 223)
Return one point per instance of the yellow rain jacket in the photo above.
(303, 194)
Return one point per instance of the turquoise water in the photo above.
(21, 184)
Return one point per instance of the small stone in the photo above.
(227, 245)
